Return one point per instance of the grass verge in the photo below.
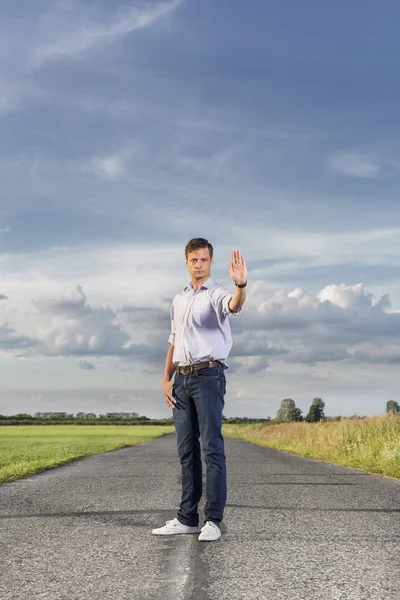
(371, 444)
(25, 451)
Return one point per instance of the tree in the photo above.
(316, 412)
(23, 416)
(288, 411)
(57, 415)
(392, 407)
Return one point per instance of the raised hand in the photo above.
(237, 268)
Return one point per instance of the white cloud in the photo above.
(110, 168)
(340, 322)
(89, 34)
(350, 296)
(72, 301)
(355, 164)
(333, 305)
(69, 325)
(256, 364)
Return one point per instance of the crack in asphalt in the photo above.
(196, 586)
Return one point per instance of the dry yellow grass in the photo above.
(372, 444)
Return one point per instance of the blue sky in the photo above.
(129, 127)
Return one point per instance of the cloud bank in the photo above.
(337, 323)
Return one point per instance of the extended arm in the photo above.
(237, 300)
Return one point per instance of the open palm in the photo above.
(237, 268)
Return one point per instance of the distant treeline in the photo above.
(81, 418)
(287, 412)
(12, 421)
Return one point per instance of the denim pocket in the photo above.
(208, 373)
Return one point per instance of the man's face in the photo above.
(199, 264)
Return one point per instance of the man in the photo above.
(200, 344)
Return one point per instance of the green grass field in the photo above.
(25, 451)
(372, 444)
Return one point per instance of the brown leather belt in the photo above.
(195, 367)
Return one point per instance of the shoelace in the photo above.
(170, 523)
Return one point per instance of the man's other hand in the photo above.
(167, 390)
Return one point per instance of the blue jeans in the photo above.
(198, 414)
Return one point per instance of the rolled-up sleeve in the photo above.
(221, 299)
(171, 338)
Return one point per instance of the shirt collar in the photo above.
(207, 284)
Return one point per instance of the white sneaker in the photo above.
(174, 527)
(209, 532)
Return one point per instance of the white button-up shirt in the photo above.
(200, 329)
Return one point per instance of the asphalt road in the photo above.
(294, 528)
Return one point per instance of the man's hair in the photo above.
(198, 244)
